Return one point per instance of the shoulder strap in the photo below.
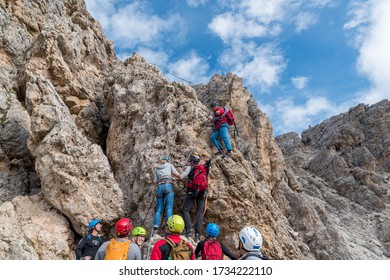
(170, 242)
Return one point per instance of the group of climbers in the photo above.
(173, 246)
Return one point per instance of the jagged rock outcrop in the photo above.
(150, 117)
(342, 167)
(53, 115)
(85, 131)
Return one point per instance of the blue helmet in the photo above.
(212, 230)
(166, 158)
(93, 223)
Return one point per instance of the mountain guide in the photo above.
(197, 175)
(222, 119)
(120, 247)
(164, 191)
(211, 248)
(88, 245)
(173, 247)
(250, 244)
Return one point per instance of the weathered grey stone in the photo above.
(31, 229)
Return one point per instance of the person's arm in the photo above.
(199, 248)
(175, 172)
(80, 247)
(192, 252)
(186, 172)
(155, 179)
(207, 164)
(156, 252)
(227, 252)
(134, 252)
(220, 111)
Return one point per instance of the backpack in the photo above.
(212, 250)
(229, 116)
(197, 179)
(117, 250)
(181, 251)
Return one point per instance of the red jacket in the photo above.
(217, 120)
(162, 249)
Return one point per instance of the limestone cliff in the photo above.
(81, 133)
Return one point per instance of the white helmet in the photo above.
(251, 239)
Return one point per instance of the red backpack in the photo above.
(229, 116)
(212, 250)
(197, 179)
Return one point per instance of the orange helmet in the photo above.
(123, 227)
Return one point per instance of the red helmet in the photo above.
(123, 227)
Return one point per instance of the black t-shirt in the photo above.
(88, 246)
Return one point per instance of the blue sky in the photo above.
(303, 60)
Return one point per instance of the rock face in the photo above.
(81, 133)
(342, 167)
(31, 229)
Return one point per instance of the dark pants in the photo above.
(188, 203)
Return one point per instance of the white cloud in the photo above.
(304, 20)
(196, 3)
(135, 24)
(231, 27)
(101, 11)
(260, 66)
(192, 68)
(160, 58)
(371, 20)
(300, 82)
(265, 11)
(290, 116)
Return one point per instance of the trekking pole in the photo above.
(150, 243)
(235, 129)
(205, 204)
(150, 207)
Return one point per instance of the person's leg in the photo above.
(169, 197)
(200, 204)
(187, 208)
(224, 132)
(159, 206)
(214, 138)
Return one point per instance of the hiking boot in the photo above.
(197, 237)
(155, 228)
(219, 153)
(188, 232)
(229, 153)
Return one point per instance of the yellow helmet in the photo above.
(175, 224)
(138, 231)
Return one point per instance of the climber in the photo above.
(138, 236)
(210, 248)
(197, 175)
(88, 245)
(173, 247)
(222, 119)
(164, 191)
(250, 242)
(120, 247)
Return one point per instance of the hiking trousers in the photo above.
(223, 133)
(164, 193)
(200, 204)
